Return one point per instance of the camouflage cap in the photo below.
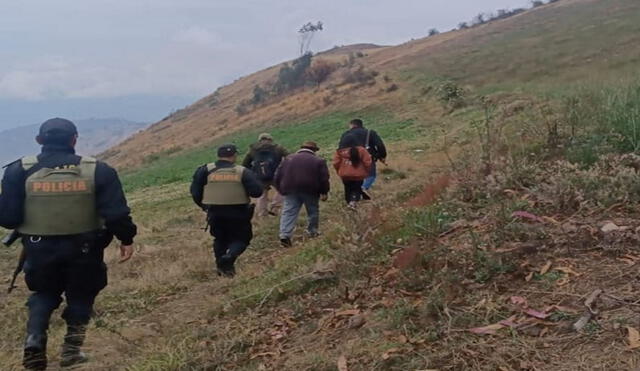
(265, 136)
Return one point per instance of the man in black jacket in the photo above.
(370, 140)
(223, 189)
(263, 159)
(67, 209)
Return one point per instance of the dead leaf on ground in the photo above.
(568, 271)
(487, 330)
(342, 363)
(350, 312)
(356, 321)
(391, 353)
(536, 313)
(546, 268)
(610, 227)
(265, 354)
(519, 300)
(633, 338)
(529, 276)
(527, 215)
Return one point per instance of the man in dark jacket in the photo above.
(67, 209)
(263, 159)
(303, 179)
(223, 189)
(370, 140)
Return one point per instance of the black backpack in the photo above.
(265, 163)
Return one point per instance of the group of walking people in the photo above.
(67, 209)
(224, 189)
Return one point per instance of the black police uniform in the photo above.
(72, 265)
(230, 224)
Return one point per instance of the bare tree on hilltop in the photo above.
(306, 35)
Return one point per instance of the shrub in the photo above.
(327, 100)
(479, 19)
(319, 72)
(259, 95)
(360, 76)
(537, 3)
(292, 77)
(392, 88)
(433, 32)
(351, 60)
(451, 95)
(242, 108)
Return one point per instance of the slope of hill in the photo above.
(502, 236)
(555, 45)
(97, 136)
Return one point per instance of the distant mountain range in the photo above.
(96, 136)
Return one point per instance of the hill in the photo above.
(502, 236)
(550, 47)
(97, 136)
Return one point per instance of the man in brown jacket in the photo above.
(303, 179)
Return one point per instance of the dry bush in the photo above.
(360, 76)
(319, 72)
(557, 186)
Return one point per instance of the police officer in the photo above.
(67, 209)
(223, 189)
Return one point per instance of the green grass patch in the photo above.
(605, 120)
(325, 130)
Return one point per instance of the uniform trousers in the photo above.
(72, 266)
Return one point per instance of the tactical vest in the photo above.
(224, 187)
(62, 201)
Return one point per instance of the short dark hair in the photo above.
(357, 122)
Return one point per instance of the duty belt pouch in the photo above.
(99, 239)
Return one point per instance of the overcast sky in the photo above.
(139, 59)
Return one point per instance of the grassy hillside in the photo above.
(502, 236)
(162, 169)
(544, 51)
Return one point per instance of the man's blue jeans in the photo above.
(291, 209)
(368, 182)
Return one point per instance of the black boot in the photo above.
(71, 354)
(226, 266)
(35, 352)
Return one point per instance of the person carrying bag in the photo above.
(353, 165)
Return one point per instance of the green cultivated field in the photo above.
(325, 130)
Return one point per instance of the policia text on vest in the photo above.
(60, 201)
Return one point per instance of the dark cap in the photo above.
(227, 150)
(310, 145)
(58, 127)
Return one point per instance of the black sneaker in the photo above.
(313, 234)
(225, 267)
(227, 272)
(286, 242)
